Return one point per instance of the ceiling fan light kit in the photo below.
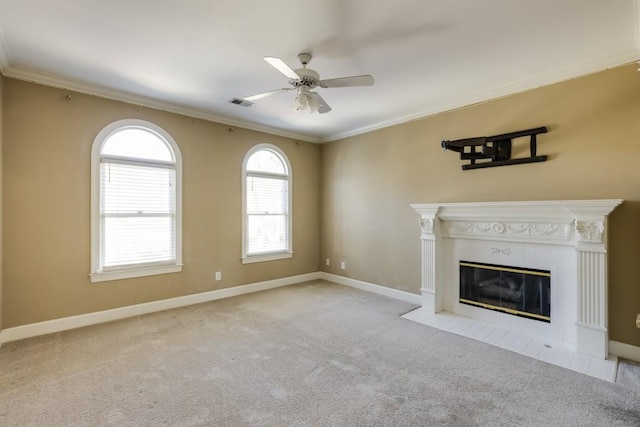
(303, 80)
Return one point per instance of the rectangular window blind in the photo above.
(137, 214)
(267, 214)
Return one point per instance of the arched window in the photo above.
(266, 205)
(136, 173)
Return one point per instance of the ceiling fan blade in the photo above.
(281, 66)
(348, 81)
(265, 94)
(323, 107)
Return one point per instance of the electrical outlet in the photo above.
(218, 275)
(328, 261)
(343, 265)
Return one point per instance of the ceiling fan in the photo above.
(304, 80)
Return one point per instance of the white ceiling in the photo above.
(426, 56)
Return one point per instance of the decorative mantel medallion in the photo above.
(590, 231)
(427, 225)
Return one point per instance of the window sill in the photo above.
(134, 272)
(266, 257)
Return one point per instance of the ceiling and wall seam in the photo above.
(116, 95)
(512, 88)
(637, 22)
(9, 68)
(5, 58)
(491, 94)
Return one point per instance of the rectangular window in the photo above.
(267, 214)
(137, 214)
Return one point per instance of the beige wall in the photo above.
(352, 195)
(47, 147)
(368, 181)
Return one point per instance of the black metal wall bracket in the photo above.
(497, 148)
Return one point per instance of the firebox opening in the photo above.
(519, 291)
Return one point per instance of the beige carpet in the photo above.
(314, 354)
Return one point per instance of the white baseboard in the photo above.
(72, 322)
(626, 351)
(370, 287)
(57, 325)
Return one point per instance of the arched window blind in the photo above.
(266, 204)
(136, 221)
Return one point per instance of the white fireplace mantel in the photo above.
(537, 234)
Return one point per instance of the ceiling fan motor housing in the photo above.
(308, 78)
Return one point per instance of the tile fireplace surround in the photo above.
(566, 237)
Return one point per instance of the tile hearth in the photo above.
(565, 238)
(547, 350)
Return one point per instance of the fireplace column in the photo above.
(592, 322)
(431, 294)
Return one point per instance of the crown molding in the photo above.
(512, 88)
(21, 73)
(556, 76)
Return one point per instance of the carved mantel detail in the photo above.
(426, 224)
(556, 230)
(590, 231)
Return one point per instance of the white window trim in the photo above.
(268, 256)
(98, 275)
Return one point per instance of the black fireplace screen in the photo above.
(514, 290)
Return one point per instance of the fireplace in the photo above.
(508, 289)
(564, 241)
